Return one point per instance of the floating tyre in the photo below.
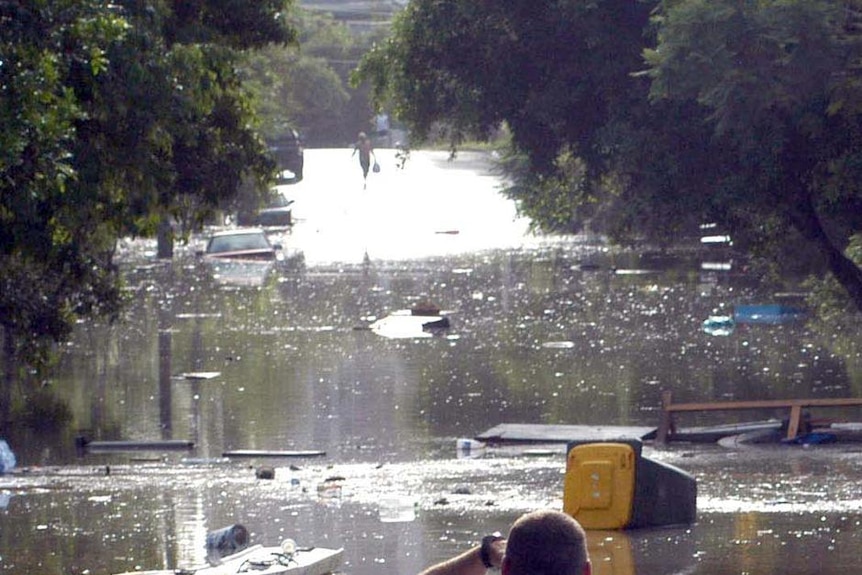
(612, 486)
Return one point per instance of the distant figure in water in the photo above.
(366, 151)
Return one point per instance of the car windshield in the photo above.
(238, 242)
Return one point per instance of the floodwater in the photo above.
(543, 330)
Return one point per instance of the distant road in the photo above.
(353, 11)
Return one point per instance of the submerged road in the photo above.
(427, 208)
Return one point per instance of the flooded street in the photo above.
(432, 208)
(542, 330)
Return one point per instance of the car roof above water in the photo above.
(238, 231)
(239, 240)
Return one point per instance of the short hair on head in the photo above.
(547, 542)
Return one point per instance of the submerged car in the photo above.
(242, 244)
(287, 150)
(278, 213)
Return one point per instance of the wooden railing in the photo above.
(668, 408)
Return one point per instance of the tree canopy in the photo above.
(648, 117)
(306, 88)
(113, 117)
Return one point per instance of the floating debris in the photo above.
(767, 313)
(199, 375)
(719, 325)
(265, 472)
(558, 345)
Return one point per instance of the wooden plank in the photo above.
(711, 434)
(666, 424)
(270, 453)
(549, 433)
(145, 445)
(763, 404)
(795, 421)
(668, 408)
(199, 375)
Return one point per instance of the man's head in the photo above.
(546, 543)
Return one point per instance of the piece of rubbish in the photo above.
(285, 559)
(467, 447)
(330, 489)
(7, 457)
(397, 509)
(265, 472)
(558, 345)
(226, 541)
(425, 308)
(411, 324)
(719, 325)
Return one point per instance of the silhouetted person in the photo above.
(366, 151)
(539, 543)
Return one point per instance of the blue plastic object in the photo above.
(813, 438)
(7, 458)
(767, 314)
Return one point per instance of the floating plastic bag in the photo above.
(397, 509)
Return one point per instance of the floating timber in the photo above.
(843, 432)
(714, 433)
(508, 433)
(199, 375)
(85, 445)
(268, 453)
(796, 422)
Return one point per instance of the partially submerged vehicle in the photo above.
(279, 213)
(242, 244)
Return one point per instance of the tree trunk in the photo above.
(848, 274)
(8, 380)
(165, 240)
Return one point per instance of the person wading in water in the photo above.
(366, 151)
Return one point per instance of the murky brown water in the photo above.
(534, 338)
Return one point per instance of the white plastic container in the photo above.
(467, 448)
(397, 509)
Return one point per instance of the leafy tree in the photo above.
(649, 117)
(308, 89)
(780, 91)
(294, 91)
(113, 116)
